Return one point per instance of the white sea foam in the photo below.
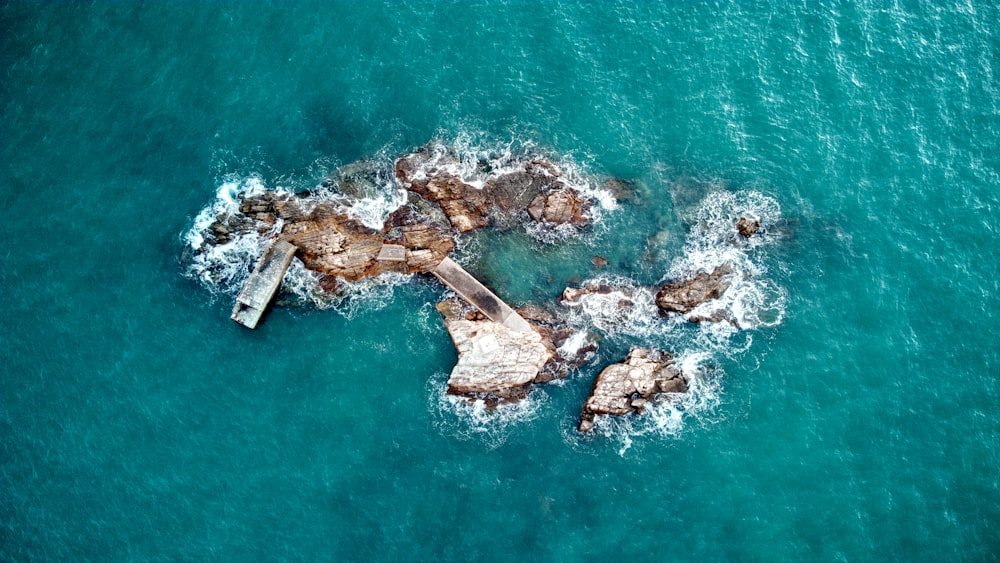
(476, 161)
(373, 211)
(671, 415)
(223, 268)
(627, 309)
(753, 301)
(471, 420)
(351, 299)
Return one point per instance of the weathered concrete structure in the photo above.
(263, 283)
(477, 295)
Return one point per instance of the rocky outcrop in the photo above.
(495, 364)
(684, 295)
(536, 187)
(571, 349)
(333, 243)
(499, 365)
(620, 389)
(560, 207)
(747, 227)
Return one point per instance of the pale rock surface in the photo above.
(625, 388)
(495, 363)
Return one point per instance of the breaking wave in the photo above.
(223, 268)
(470, 420)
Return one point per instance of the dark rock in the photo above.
(747, 227)
(683, 296)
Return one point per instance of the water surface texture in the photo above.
(856, 418)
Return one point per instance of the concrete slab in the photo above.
(263, 283)
(477, 295)
(392, 253)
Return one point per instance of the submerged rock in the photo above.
(645, 375)
(684, 295)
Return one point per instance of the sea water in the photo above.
(850, 411)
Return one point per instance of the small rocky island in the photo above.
(501, 352)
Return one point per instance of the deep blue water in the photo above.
(140, 423)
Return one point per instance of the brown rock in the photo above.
(627, 387)
(599, 262)
(537, 188)
(747, 227)
(562, 206)
(683, 296)
(466, 207)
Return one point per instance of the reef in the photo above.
(443, 196)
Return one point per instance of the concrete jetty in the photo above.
(477, 295)
(263, 283)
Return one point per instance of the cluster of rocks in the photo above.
(647, 375)
(537, 188)
(440, 206)
(333, 243)
(496, 363)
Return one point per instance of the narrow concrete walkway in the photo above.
(476, 294)
(263, 283)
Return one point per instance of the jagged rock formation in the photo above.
(497, 364)
(570, 348)
(624, 388)
(340, 247)
(684, 295)
(560, 206)
(333, 243)
(537, 187)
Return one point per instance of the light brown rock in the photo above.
(627, 387)
(495, 363)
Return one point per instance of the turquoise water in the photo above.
(140, 423)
